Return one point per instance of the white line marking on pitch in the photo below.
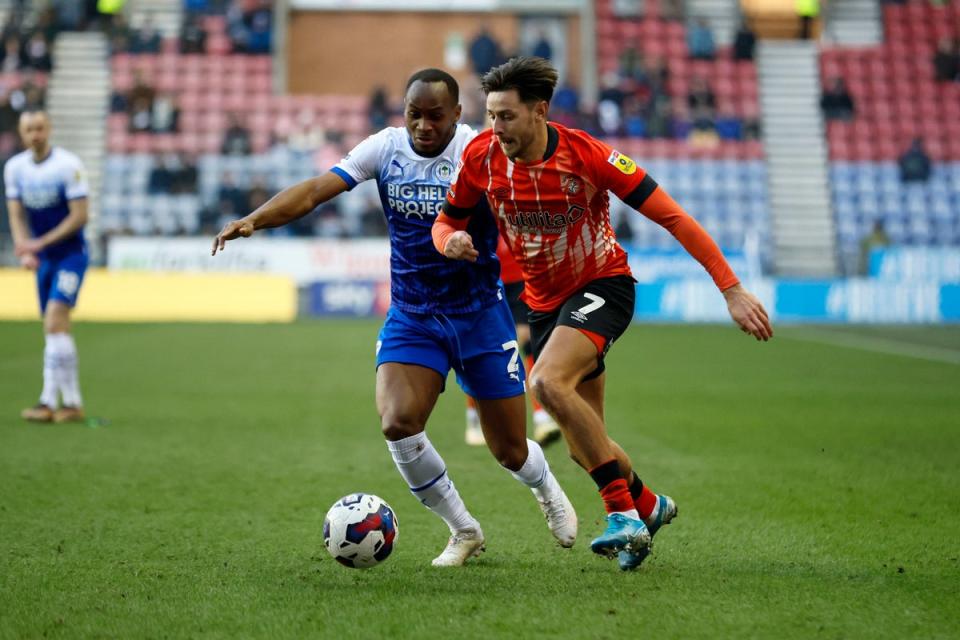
(877, 345)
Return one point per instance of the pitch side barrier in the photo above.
(351, 278)
(128, 296)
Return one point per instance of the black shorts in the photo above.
(605, 307)
(518, 307)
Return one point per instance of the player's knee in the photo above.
(397, 427)
(549, 389)
(511, 457)
(55, 324)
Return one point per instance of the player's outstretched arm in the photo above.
(451, 239)
(744, 307)
(285, 207)
(747, 311)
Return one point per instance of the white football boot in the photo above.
(558, 510)
(461, 546)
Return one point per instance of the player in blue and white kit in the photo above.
(47, 202)
(444, 314)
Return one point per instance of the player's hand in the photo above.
(231, 231)
(748, 313)
(29, 261)
(460, 247)
(27, 247)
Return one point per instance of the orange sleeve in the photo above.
(665, 211)
(444, 227)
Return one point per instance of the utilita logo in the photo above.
(544, 220)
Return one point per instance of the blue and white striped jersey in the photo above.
(44, 189)
(412, 190)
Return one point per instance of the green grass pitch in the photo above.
(818, 488)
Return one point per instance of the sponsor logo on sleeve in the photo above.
(623, 163)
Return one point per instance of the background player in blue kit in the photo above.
(47, 202)
(443, 313)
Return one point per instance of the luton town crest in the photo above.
(570, 185)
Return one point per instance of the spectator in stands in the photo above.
(702, 103)
(9, 117)
(185, 174)
(104, 11)
(119, 102)
(165, 114)
(915, 163)
(36, 53)
(146, 39)
(611, 91)
(565, 106)
(542, 47)
(657, 74)
(946, 62)
(12, 55)
(631, 64)
(48, 24)
(700, 41)
(141, 115)
(230, 196)
(485, 52)
(807, 11)
(161, 176)
(193, 39)
(703, 113)
(142, 93)
(258, 194)
(258, 22)
(836, 102)
(609, 118)
(305, 136)
(876, 239)
(659, 115)
(119, 35)
(29, 95)
(744, 42)
(634, 124)
(379, 109)
(236, 139)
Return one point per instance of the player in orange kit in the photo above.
(548, 187)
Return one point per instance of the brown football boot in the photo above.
(68, 414)
(38, 413)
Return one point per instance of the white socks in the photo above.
(60, 371)
(536, 474)
(50, 394)
(426, 475)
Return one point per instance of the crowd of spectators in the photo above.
(249, 27)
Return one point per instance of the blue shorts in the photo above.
(60, 279)
(481, 347)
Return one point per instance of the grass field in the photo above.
(818, 480)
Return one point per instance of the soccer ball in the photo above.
(360, 530)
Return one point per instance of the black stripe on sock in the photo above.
(636, 486)
(606, 473)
